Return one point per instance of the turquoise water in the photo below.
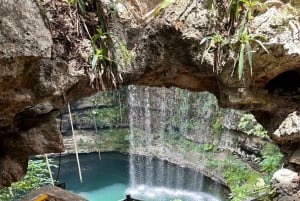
(112, 192)
(108, 180)
(103, 180)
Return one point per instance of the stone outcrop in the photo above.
(45, 50)
(295, 158)
(100, 123)
(268, 96)
(288, 133)
(286, 184)
(34, 84)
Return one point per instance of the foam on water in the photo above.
(151, 193)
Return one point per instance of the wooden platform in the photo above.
(52, 193)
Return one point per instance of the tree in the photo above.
(37, 175)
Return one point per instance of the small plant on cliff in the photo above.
(79, 3)
(209, 147)
(237, 36)
(37, 175)
(217, 128)
(216, 42)
(162, 5)
(126, 54)
(243, 38)
(244, 183)
(249, 125)
(272, 160)
(102, 59)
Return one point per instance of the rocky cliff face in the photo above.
(45, 49)
(187, 129)
(35, 83)
(100, 123)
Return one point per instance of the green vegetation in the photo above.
(216, 42)
(80, 4)
(103, 59)
(99, 55)
(116, 139)
(244, 38)
(104, 117)
(212, 164)
(126, 54)
(162, 5)
(209, 147)
(217, 128)
(271, 160)
(37, 175)
(244, 182)
(236, 36)
(249, 125)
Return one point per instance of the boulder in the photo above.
(286, 184)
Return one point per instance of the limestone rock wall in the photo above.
(34, 84)
(100, 123)
(188, 129)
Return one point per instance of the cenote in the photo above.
(108, 178)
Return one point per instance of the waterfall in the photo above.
(132, 113)
(160, 120)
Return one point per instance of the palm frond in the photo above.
(241, 61)
(162, 5)
(261, 45)
(249, 53)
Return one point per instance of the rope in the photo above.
(58, 171)
(49, 169)
(75, 144)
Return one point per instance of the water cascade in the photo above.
(165, 123)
